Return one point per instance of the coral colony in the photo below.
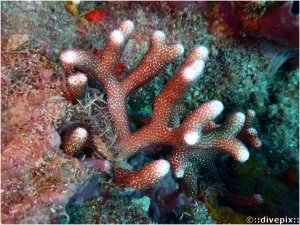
(197, 140)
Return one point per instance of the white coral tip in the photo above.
(162, 167)
(159, 36)
(180, 49)
(117, 37)
(68, 56)
(243, 155)
(217, 106)
(80, 133)
(179, 173)
(127, 27)
(194, 70)
(203, 52)
(77, 79)
(191, 138)
(240, 118)
(259, 198)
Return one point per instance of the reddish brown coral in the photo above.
(195, 134)
(149, 175)
(74, 141)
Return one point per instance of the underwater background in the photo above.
(253, 64)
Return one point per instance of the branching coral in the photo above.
(196, 136)
(203, 160)
(74, 141)
(217, 139)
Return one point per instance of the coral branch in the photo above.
(216, 141)
(147, 176)
(79, 59)
(197, 139)
(158, 55)
(74, 141)
(242, 201)
(190, 181)
(220, 138)
(223, 138)
(77, 85)
(179, 160)
(248, 135)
